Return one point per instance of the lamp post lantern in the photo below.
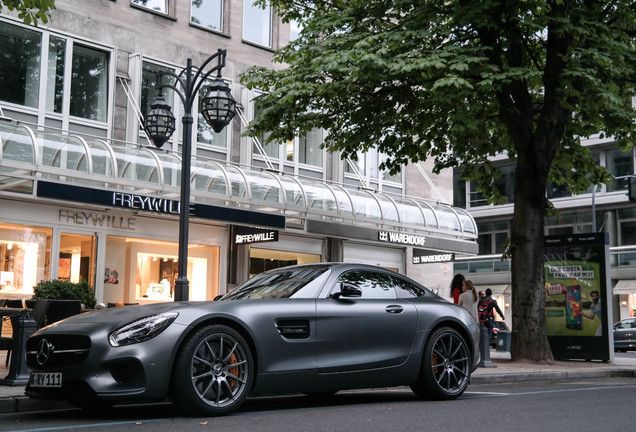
(218, 108)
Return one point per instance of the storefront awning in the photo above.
(30, 154)
(497, 290)
(625, 286)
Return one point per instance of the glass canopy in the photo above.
(28, 153)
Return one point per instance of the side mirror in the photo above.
(347, 290)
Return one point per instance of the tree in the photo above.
(461, 81)
(31, 11)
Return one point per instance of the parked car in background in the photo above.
(315, 329)
(625, 335)
(498, 326)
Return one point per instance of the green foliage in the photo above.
(63, 290)
(31, 11)
(457, 81)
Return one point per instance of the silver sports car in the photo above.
(314, 329)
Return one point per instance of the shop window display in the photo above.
(24, 258)
(145, 271)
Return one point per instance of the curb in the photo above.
(517, 377)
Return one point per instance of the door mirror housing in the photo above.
(347, 290)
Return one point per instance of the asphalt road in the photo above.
(595, 404)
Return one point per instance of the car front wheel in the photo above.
(446, 366)
(213, 372)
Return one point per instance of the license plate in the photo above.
(47, 380)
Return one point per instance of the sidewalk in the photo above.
(12, 399)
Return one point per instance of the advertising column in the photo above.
(577, 297)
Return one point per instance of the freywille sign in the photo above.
(245, 235)
(421, 256)
(154, 204)
(400, 238)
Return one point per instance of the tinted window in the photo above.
(295, 282)
(373, 285)
(406, 289)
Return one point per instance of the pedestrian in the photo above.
(456, 286)
(485, 311)
(469, 299)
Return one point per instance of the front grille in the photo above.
(66, 350)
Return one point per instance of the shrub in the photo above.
(63, 290)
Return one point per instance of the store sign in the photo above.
(96, 219)
(141, 202)
(400, 238)
(153, 204)
(421, 256)
(246, 235)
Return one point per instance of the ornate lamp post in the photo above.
(218, 108)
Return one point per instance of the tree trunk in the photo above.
(529, 337)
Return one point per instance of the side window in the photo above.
(373, 285)
(406, 289)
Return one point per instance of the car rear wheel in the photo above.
(446, 366)
(213, 372)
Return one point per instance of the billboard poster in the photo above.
(577, 296)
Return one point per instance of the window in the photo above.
(373, 285)
(627, 226)
(55, 74)
(24, 58)
(24, 257)
(294, 30)
(368, 166)
(207, 13)
(155, 5)
(20, 66)
(205, 133)
(139, 270)
(77, 258)
(493, 236)
(89, 84)
(309, 151)
(272, 150)
(257, 24)
(619, 163)
(149, 83)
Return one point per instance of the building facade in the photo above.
(606, 209)
(85, 195)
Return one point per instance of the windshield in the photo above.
(295, 282)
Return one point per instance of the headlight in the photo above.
(142, 329)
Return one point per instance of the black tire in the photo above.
(446, 366)
(213, 372)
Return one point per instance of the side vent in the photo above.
(293, 329)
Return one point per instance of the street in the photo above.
(591, 404)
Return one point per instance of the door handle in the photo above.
(394, 309)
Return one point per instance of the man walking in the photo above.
(485, 311)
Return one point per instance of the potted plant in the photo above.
(64, 290)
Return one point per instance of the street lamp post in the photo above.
(218, 108)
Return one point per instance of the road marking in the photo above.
(496, 394)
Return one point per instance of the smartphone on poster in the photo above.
(573, 308)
